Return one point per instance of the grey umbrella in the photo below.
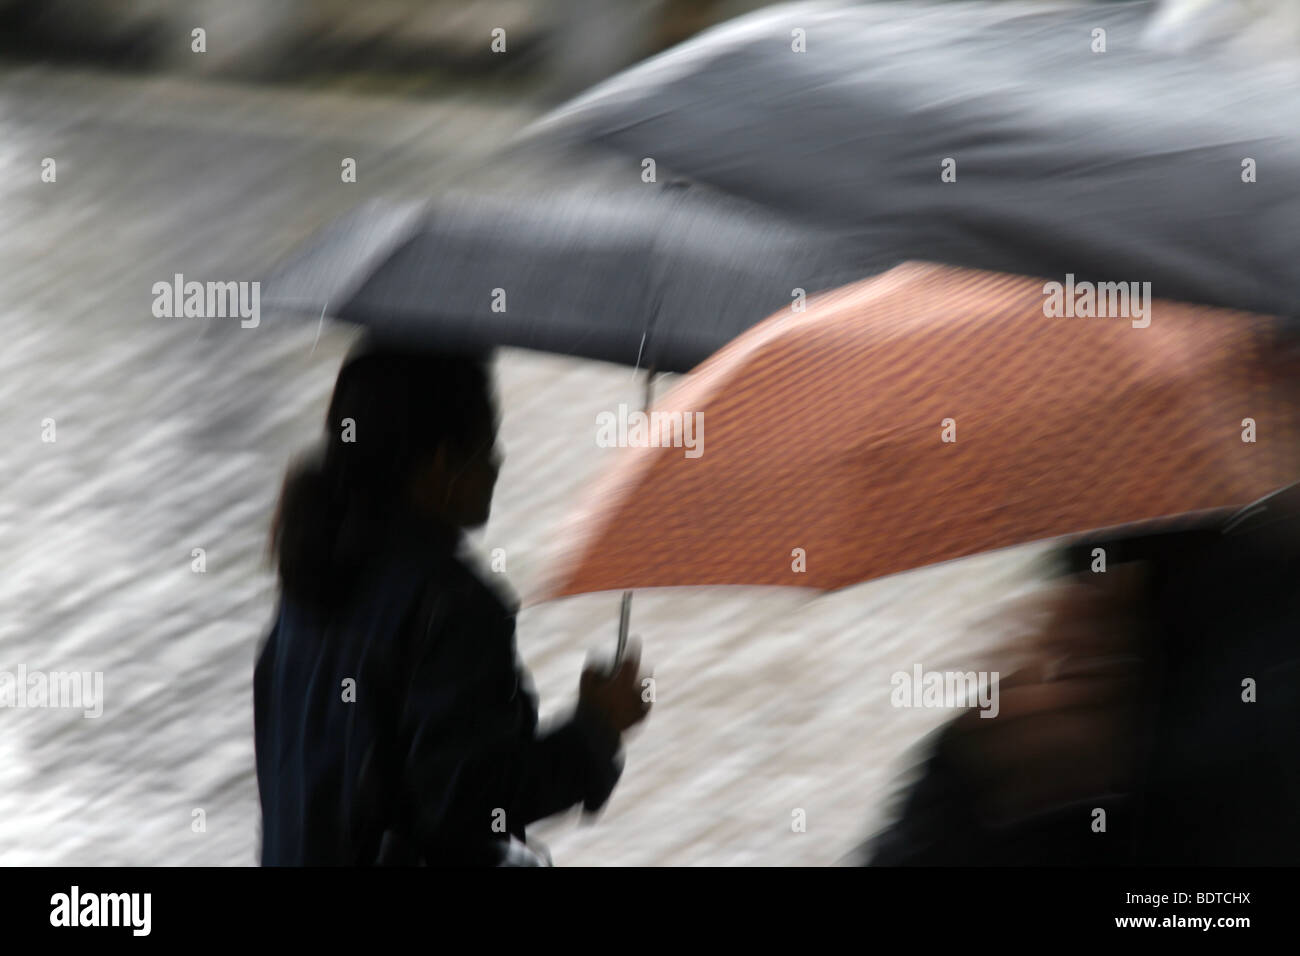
(651, 274)
(1126, 164)
(655, 275)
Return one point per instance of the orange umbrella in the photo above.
(927, 414)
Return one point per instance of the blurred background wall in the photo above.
(561, 45)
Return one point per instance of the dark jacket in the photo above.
(1217, 782)
(400, 726)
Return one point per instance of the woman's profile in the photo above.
(394, 723)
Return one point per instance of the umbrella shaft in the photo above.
(625, 612)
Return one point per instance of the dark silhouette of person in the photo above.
(1170, 700)
(394, 723)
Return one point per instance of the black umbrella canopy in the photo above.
(1125, 164)
(652, 274)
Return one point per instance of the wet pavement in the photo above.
(173, 434)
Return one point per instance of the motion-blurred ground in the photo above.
(172, 434)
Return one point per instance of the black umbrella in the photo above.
(658, 276)
(1077, 146)
(654, 275)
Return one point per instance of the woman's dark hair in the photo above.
(391, 409)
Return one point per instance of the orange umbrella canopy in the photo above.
(931, 413)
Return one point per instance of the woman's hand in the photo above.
(619, 697)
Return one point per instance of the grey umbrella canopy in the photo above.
(653, 275)
(1125, 164)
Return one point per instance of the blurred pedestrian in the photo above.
(1161, 691)
(394, 723)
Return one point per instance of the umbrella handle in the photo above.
(624, 615)
(625, 610)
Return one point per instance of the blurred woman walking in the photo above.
(394, 723)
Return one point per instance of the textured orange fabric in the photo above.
(823, 431)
